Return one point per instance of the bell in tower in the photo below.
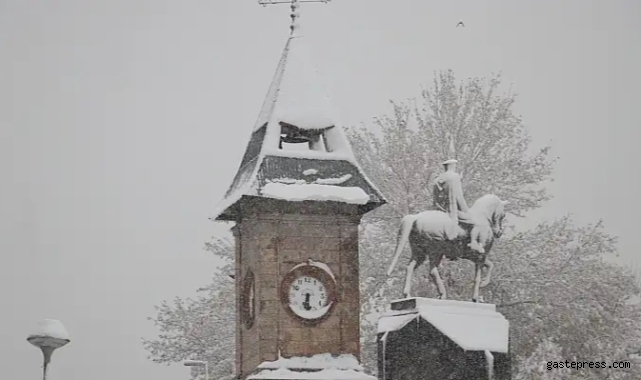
(297, 201)
(309, 139)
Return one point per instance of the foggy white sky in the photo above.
(122, 123)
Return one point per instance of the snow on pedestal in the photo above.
(317, 367)
(443, 338)
(473, 326)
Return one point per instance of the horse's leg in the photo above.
(477, 281)
(489, 265)
(476, 239)
(436, 277)
(408, 278)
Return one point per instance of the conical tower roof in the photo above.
(297, 100)
(296, 95)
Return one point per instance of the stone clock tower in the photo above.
(297, 200)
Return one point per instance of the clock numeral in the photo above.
(307, 279)
(314, 282)
(296, 287)
(300, 282)
(320, 303)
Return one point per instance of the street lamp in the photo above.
(198, 363)
(51, 334)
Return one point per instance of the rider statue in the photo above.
(448, 197)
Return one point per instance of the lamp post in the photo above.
(198, 363)
(51, 334)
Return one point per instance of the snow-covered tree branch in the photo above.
(200, 328)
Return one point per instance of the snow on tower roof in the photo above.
(297, 98)
(296, 95)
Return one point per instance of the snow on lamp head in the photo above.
(50, 335)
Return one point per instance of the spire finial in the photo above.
(295, 5)
(295, 15)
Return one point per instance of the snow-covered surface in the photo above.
(50, 328)
(248, 188)
(473, 326)
(290, 181)
(247, 185)
(485, 206)
(319, 181)
(395, 322)
(321, 361)
(310, 154)
(455, 306)
(318, 264)
(324, 267)
(315, 192)
(333, 181)
(296, 95)
(310, 172)
(436, 224)
(325, 374)
(317, 367)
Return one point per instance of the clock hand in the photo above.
(306, 304)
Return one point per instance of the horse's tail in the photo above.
(403, 236)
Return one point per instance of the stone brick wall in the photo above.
(271, 244)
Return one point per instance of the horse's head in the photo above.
(498, 217)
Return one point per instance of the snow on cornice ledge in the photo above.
(314, 192)
(312, 155)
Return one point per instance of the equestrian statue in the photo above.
(452, 230)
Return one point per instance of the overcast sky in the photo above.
(122, 123)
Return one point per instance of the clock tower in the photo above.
(297, 200)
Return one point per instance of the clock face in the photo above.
(308, 293)
(308, 297)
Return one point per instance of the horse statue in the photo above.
(426, 232)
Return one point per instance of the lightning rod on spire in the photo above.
(295, 15)
(265, 3)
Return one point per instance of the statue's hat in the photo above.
(451, 161)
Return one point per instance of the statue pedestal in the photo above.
(425, 339)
